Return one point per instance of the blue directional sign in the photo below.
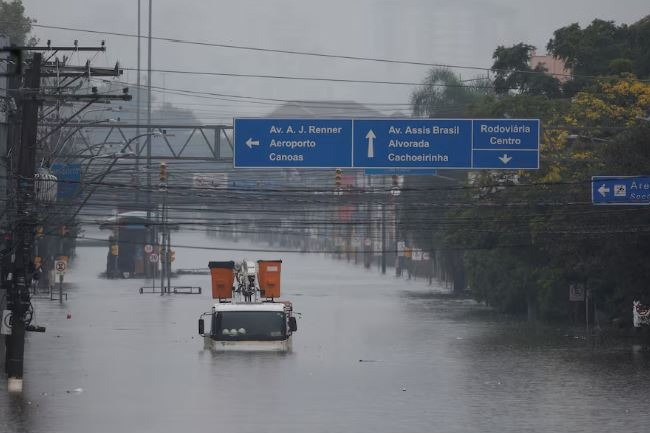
(388, 143)
(620, 190)
(308, 143)
(499, 144)
(417, 143)
(69, 179)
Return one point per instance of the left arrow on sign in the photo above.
(250, 143)
(603, 190)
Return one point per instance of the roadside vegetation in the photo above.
(518, 240)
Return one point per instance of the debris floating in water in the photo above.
(75, 391)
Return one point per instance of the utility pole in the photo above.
(151, 232)
(18, 295)
(24, 138)
(164, 251)
(137, 111)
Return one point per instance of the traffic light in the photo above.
(395, 180)
(163, 172)
(339, 177)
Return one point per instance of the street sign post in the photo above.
(620, 190)
(389, 143)
(59, 267)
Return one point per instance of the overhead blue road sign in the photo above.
(308, 143)
(388, 143)
(620, 190)
(416, 143)
(499, 144)
(69, 179)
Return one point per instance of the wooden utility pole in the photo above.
(18, 290)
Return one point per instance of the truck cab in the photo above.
(265, 326)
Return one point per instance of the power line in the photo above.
(316, 54)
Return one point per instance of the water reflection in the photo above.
(430, 362)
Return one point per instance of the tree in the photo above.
(602, 49)
(513, 72)
(14, 24)
(590, 51)
(444, 94)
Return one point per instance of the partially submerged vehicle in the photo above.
(248, 316)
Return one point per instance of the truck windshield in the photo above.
(249, 325)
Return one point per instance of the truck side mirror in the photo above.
(293, 324)
(201, 327)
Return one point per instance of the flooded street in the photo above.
(372, 354)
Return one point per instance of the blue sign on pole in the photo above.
(620, 190)
(387, 143)
(308, 143)
(69, 179)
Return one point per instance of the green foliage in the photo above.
(513, 73)
(14, 24)
(444, 94)
(602, 49)
(523, 238)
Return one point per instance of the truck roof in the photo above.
(265, 306)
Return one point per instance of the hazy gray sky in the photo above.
(461, 32)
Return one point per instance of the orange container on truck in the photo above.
(269, 277)
(223, 277)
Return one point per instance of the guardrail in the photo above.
(177, 290)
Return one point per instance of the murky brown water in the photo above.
(431, 364)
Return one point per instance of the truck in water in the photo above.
(247, 315)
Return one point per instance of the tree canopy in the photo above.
(14, 24)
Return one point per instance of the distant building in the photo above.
(555, 67)
(324, 109)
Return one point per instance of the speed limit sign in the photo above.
(148, 248)
(153, 258)
(59, 267)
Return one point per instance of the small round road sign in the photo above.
(59, 266)
(148, 248)
(153, 258)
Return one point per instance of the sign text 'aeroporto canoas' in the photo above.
(296, 144)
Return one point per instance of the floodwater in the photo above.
(372, 354)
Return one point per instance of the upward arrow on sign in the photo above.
(371, 143)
